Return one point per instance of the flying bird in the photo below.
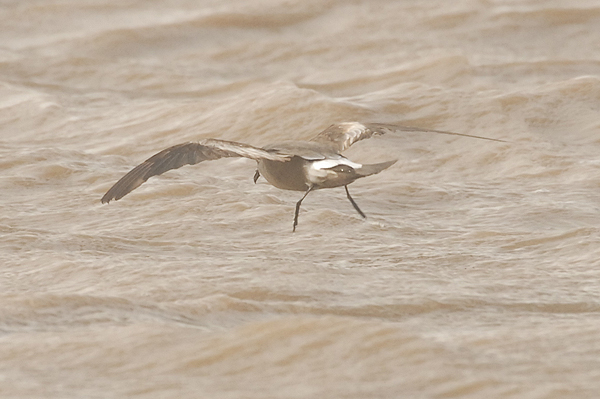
(290, 165)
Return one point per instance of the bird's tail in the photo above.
(368, 170)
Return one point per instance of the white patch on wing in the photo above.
(318, 171)
(353, 131)
(330, 163)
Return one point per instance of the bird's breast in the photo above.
(290, 175)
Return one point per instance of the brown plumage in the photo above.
(292, 165)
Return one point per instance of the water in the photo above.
(476, 273)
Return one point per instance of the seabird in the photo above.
(290, 165)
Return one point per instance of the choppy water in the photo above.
(475, 275)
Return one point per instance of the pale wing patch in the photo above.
(353, 132)
(319, 171)
(343, 135)
(330, 163)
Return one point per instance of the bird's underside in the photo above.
(292, 165)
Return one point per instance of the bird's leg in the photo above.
(298, 208)
(256, 176)
(354, 203)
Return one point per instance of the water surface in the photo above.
(476, 273)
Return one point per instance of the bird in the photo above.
(303, 166)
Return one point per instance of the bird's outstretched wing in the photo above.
(185, 154)
(341, 136)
